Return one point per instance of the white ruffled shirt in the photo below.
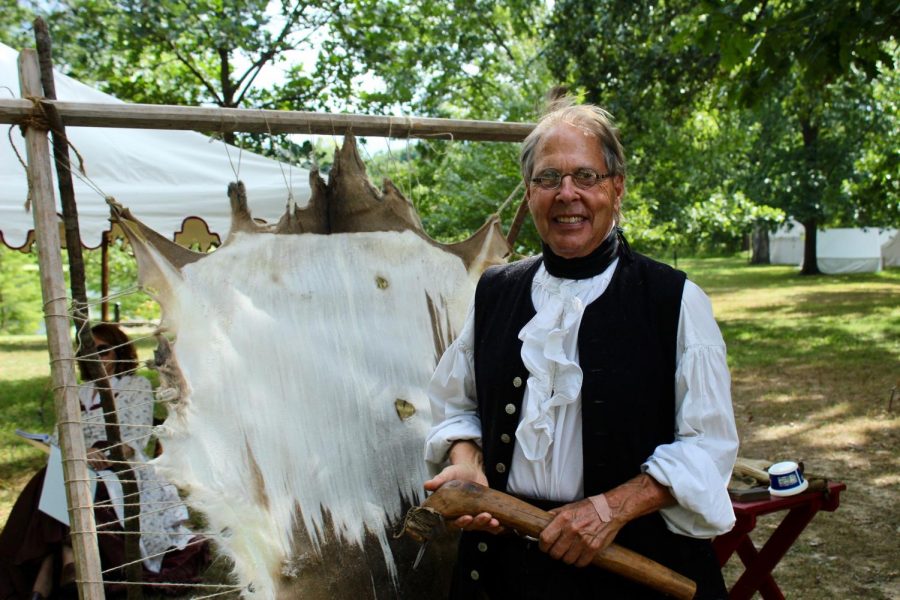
(547, 459)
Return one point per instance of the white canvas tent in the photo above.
(890, 251)
(162, 176)
(850, 250)
(840, 250)
(786, 244)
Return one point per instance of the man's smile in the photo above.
(569, 219)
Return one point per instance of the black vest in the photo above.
(627, 346)
(626, 349)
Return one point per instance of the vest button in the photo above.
(510, 409)
(517, 382)
(504, 437)
(501, 468)
(474, 575)
(482, 547)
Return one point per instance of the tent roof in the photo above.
(162, 176)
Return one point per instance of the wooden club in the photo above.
(457, 498)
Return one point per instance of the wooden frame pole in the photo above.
(220, 120)
(62, 360)
(104, 276)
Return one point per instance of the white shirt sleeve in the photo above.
(697, 466)
(452, 395)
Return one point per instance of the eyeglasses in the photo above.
(584, 178)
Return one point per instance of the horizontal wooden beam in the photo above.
(210, 120)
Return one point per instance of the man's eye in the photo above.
(549, 176)
(585, 175)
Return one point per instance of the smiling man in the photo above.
(590, 381)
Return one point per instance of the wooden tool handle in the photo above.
(456, 498)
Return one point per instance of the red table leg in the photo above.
(760, 568)
(759, 564)
(768, 589)
(725, 545)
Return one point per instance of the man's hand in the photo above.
(576, 533)
(466, 465)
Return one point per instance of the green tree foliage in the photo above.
(792, 88)
(808, 72)
(462, 59)
(134, 305)
(20, 288)
(175, 52)
(14, 18)
(816, 43)
(20, 292)
(682, 150)
(734, 114)
(455, 58)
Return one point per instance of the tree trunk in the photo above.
(810, 260)
(759, 245)
(810, 224)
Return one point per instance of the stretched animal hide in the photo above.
(297, 382)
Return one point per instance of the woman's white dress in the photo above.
(163, 514)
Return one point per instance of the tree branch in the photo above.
(276, 47)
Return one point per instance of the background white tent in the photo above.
(786, 244)
(890, 251)
(851, 250)
(162, 176)
(840, 250)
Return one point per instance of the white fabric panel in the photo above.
(786, 244)
(843, 266)
(890, 250)
(846, 250)
(295, 349)
(786, 251)
(163, 176)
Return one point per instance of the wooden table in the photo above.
(757, 575)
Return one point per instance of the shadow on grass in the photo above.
(834, 304)
(755, 344)
(27, 402)
(720, 275)
(23, 344)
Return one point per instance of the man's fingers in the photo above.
(434, 483)
(462, 522)
(479, 522)
(585, 559)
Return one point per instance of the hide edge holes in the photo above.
(381, 282)
(405, 410)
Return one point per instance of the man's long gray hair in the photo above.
(588, 117)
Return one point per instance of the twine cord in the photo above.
(140, 560)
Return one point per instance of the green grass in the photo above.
(770, 315)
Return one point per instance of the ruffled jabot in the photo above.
(550, 353)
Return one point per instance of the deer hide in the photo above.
(296, 382)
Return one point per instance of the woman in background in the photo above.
(36, 558)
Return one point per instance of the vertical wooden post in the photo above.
(62, 363)
(104, 276)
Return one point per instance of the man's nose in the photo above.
(567, 187)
